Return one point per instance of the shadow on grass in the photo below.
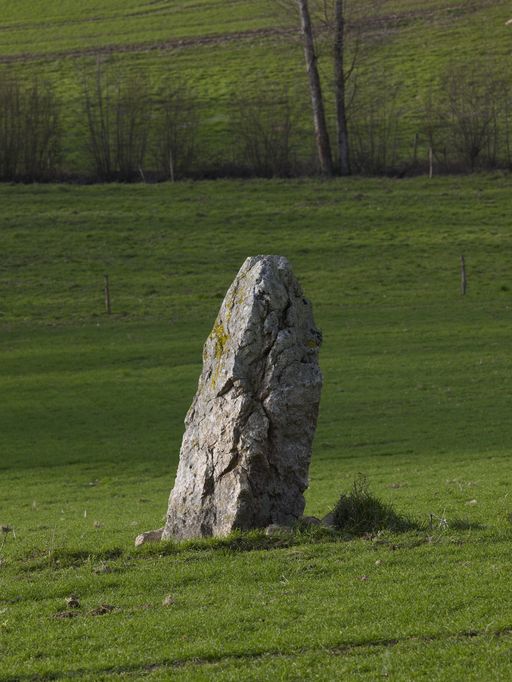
(239, 541)
(62, 557)
(357, 514)
(414, 534)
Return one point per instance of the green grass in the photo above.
(416, 397)
(31, 26)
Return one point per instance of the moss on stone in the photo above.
(220, 338)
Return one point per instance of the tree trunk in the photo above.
(339, 84)
(315, 89)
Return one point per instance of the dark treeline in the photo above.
(30, 131)
(134, 132)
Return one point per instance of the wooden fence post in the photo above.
(108, 307)
(463, 276)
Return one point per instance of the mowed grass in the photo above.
(416, 397)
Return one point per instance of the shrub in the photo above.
(360, 512)
(118, 118)
(29, 130)
(264, 132)
(41, 132)
(10, 127)
(176, 124)
(467, 122)
(375, 127)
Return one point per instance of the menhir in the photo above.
(247, 446)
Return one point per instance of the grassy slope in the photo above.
(416, 396)
(30, 26)
(410, 45)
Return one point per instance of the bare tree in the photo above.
(466, 117)
(97, 94)
(41, 131)
(132, 123)
(337, 22)
(264, 130)
(176, 123)
(340, 77)
(10, 127)
(29, 130)
(117, 110)
(375, 126)
(317, 102)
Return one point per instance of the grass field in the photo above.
(226, 50)
(417, 397)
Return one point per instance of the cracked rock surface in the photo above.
(247, 445)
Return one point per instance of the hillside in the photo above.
(416, 396)
(33, 30)
(242, 49)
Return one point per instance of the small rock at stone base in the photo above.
(149, 536)
(310, 521)
(277, 529)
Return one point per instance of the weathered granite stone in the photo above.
(247, 445)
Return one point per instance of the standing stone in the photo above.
(247, 446)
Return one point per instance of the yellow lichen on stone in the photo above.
(220, 338)
(229, 307)
(312, 343)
